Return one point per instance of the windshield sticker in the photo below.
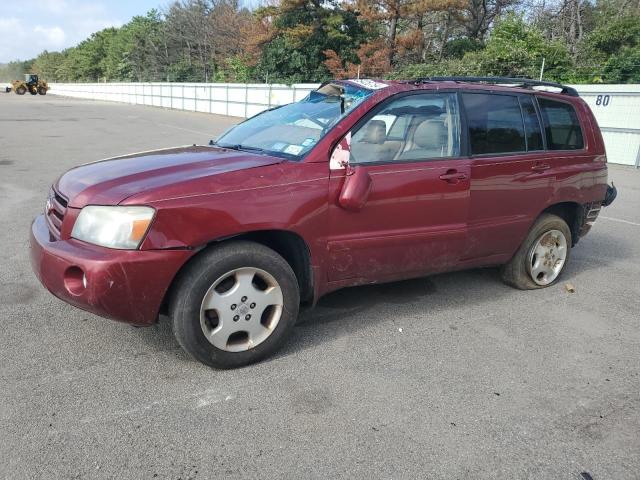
(294, 149)
(278, 146)
(370, 84)
(308, 142)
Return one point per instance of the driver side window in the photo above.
(413, 127)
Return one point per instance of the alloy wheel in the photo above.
(547, 257)
(241, 309)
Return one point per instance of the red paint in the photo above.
(384, 222)
(355, 190)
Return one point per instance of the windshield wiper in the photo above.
(239, 146)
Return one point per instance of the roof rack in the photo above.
(519, 82)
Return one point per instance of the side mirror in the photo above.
(357, 181)
(355, 190)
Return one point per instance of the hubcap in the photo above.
(241, 309)
(547, 257)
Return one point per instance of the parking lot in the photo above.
(456, 376)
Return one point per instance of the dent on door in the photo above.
(411, 219)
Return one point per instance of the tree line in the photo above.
(289, 41)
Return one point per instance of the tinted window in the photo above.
(561, 125)
(495, 123)
(412, 127)
(531, 124)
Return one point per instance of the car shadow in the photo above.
(347, 310)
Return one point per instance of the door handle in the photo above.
(540, 167)
(453, 176)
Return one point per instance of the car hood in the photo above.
(111, 181)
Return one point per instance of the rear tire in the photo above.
(217, 292)
(42, 90)
(21, 90)
(542, 257)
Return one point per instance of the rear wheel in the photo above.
(541, 258)
(42, 90)
(234, 304)
(21, 90)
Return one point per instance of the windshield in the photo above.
(292, 130)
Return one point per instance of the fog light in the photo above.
(75, 281)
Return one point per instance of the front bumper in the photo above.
(124, 285)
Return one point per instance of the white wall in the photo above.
(235, 99)
(616, 107)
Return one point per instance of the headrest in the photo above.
(376, 132)
(430, 134)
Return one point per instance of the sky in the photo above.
(28, 28)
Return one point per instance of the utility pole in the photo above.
(542, 68)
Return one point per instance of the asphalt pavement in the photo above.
(456, 376)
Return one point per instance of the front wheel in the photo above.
(234, 304)
(21, 90)
(542, 256)
(42, 90)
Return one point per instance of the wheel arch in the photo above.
(570, 212)
(289, 245)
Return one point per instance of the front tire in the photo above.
(21, 90)
(42, 90)
(541, 258)
(234, 304)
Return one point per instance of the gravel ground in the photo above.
(455, 376)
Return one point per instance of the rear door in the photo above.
(414, 219)
(511, 176)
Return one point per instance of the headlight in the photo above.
(113, 227)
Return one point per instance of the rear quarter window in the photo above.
(561, 125)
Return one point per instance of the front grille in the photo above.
(55, 212)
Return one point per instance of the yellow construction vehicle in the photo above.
(30, 84)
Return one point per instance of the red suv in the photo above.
(362, 181)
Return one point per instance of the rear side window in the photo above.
(495, 123)
(561, 125)
(531, 124)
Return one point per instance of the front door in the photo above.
(414, 218)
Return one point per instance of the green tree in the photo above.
(302, 31)
(516, 49)
(513, 49)
(146, 57)
(611, 52)
(14, 70)
(50, 66)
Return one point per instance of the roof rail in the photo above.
(519, 82)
